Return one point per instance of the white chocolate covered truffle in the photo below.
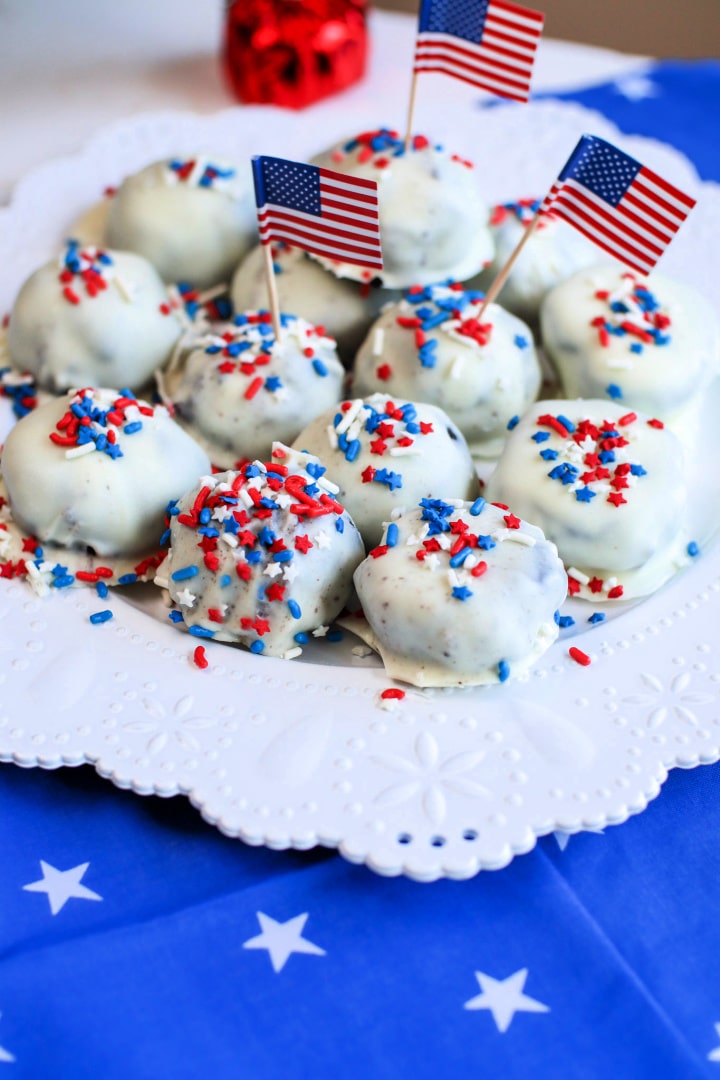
(92, 318)
(459, 594)
(237, 389)
(553, 252)
(433, 217)
(193, 218)
(607, 486)
(95, 470)
(432, 347)
(648, 343)
(344, 308)
(385, 455)
(264, 556)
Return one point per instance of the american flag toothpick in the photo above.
(490, 44)
(625, 208)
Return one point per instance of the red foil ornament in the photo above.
(294, 52)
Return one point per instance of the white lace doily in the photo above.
(300, 753)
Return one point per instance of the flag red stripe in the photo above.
(352, 181)
(617, 225)
(686, 200)
(523, 12)
(640, 188)
(510, 26)
(371, 213)
(636, 261)
(479, 55)
(483, 83)
(351, 198)
(670, 226)
(271, 215)
(478, 67)
(620, 233)
(328, 251)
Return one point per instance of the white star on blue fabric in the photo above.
(636, 87)
(504, 997)
(714, 1055)
(5, 1055)
(62, 885)
(282, 939)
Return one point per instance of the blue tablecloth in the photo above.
(136, 941)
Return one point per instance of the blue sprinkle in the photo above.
(294, 609)
(127, 579)
(130, 429)
(200, 631)
(334, 635)
(205, 516)
(302, 639)
(486, 543)
(392, 535)
(638, 470)
(541, 436)
(176, 616)
(549, 455)
(477, 507)
(636, 347)
(257, 647)
(225, 580)
(568, 424)
(598, 616)
(320, 368)
(283, 556)
(606, 456)
(564, 621)
(521, 342)
(100, 617)
(62, 582)
(353, 450)
(184, 573)
(613, 391)
(513, 423)
(460, 557)
(101, 589)
(503, 670)
(584, 494)
(461, 592)
(253, 556)
(339, 525)
(692, 549)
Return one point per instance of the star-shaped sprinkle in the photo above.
(62, 885)
(186, 598)
(504, 997)
(322, 539)
(282, 939)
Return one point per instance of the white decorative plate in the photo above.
(293, 754)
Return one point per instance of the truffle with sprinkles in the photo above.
(649, 343)
(237, 389)
(433, 217)
(431, 346)
(92, 317)
(607, 486)
(193, 218)
(263, 556)
(459, 594)
(88, 478)
(553, 252)
(385, 455)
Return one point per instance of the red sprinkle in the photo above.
(579, 656)
(393, 694)
(200, 658)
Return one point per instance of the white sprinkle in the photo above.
(243, 495)
(332, 437)
(283, 500)
(347, 417)
(161, 582)
(124, 288)
(378, 341)
(444, 541)
(273, 569)
(198, 169)
(320, 631)
(185, 598)
(406, 451)
(230, 539)
(361, 651)
(453, 578)
(470, 562)
(610, 583)
(578, 575)
(290, 572)
(456, 368)
(432, 561)
(292, 653)
(80, 451)
(222, 513)
(323, 540)
(514, 534)
(323, 482)
(209, 481)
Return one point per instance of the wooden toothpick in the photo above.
(411, 110)
(272, 290)
(505, 272)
